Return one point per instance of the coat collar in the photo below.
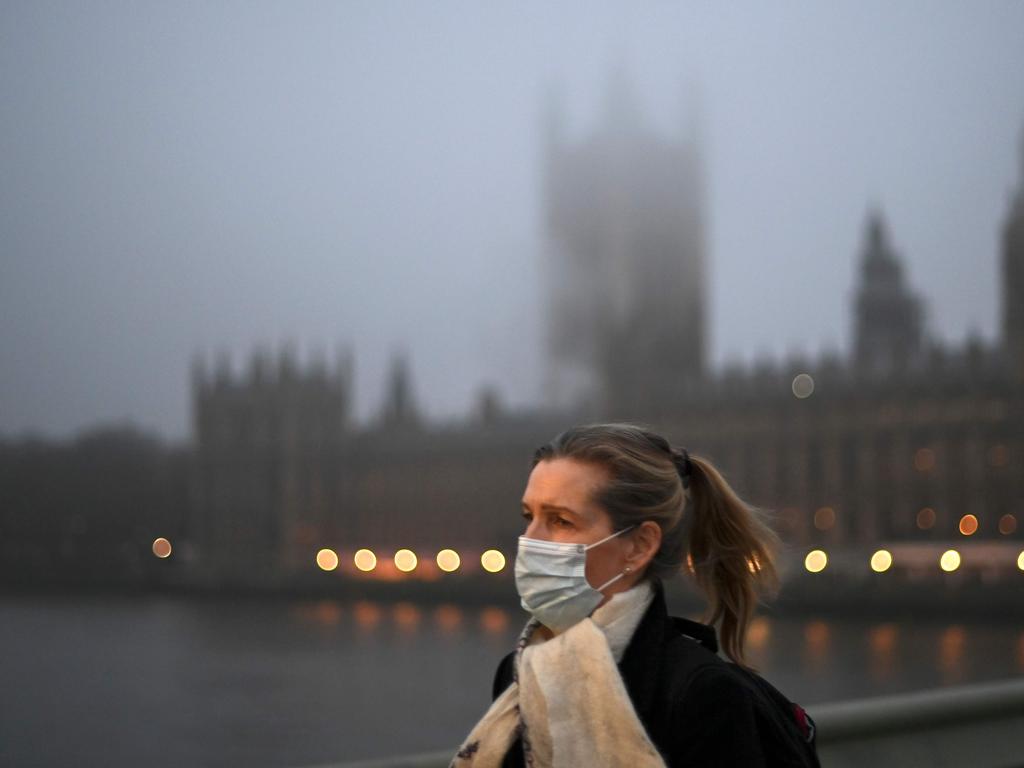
(694, 630)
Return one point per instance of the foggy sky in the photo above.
(183, 177)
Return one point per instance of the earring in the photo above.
(628, 569)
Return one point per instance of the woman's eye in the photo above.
(562, 522)
(527, 516)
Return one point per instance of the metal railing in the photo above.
(980, 725)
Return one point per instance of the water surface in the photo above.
(177, 681)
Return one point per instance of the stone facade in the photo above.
(891, 447)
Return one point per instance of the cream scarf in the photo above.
(568, 701)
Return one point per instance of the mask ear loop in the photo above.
(611, 581)
(615, 578)
(608, 538)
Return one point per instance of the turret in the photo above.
(399, 405)
(1013, 277)
(888, 316)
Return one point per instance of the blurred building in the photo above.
(1013, 277)
(625, 275)
(269, 462)
(908, 444)
(86, 512)
(280, 472)
(889, 336)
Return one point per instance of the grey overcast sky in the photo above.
(193, 176)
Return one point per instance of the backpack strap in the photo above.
(791, 716)
(804, 721)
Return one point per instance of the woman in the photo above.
(601, 674)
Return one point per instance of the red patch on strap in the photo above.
(801, 720)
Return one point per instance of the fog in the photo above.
(182, 178)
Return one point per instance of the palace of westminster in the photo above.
(907, 444)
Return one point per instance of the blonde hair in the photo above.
(707, 531)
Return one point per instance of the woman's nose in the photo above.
(533, 529)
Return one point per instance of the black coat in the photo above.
(698, 709)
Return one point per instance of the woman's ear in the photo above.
(646, 542)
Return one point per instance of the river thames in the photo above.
(174, 681)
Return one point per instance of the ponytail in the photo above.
(730, 554)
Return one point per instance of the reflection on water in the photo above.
(494, 621)
(951, 654)
(879, 643)
(758, 634)
(448, 618)
(817, 637)
(179, 682)
(882, 645)
(406, 617)
(444, 619)
(366, 614)
(326, 613)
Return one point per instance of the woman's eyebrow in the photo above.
(553, 508)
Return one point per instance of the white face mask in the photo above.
(551, 580)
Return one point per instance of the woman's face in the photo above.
(558, 505)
